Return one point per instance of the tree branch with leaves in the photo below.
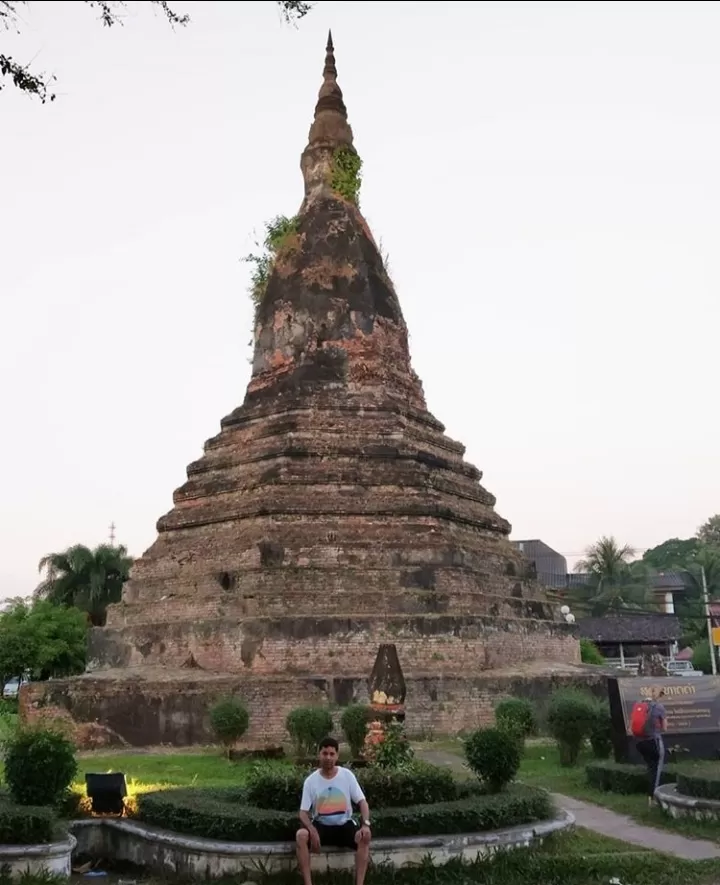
(38, 85)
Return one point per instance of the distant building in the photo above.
(622, 638)
(550, 566)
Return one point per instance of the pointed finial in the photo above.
(330, 111)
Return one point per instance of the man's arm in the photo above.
(358, 797)
(364, 811)
(306, 820)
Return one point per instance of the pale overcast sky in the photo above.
(544, 175)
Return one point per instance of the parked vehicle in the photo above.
(12, 688)
(682, 668)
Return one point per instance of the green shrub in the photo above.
(279, 789)
(221, 814)
(8, 706)
(27, 825)
(39, 766)
(622, 778)
(516, 717)
(395, 750)
(589, 653)
(492, 757)
(354, 722)
(307, 726)
(700, 786)
(571, 714)
(601, 731)
(701, 657)
(229, 719)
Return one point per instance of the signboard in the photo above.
(716, 635)
(692, 704)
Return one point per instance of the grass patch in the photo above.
(208, 769)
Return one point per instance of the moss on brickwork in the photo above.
(346, 174)
(280, 235)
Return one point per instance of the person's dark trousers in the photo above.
(652, 751)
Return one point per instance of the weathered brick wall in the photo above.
(176, 712)
(342, 646)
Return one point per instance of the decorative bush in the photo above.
(492, 757)
(39, 766)
(601, 731)
(229, 719)
(571, 715)
(516, 717)
(279, 789)
(395, 750)
(625, 779)
(27, 825)
(700, 786)
(354, 722)
(222, 814)
(589, 653)
(307, 726)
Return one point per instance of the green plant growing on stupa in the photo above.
(278, 234)
(346, 175)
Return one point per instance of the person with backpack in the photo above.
(648, 721)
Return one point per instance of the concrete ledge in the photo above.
(679, 805)
(51, 857)
(161, 851)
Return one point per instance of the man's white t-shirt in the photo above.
(330, 799)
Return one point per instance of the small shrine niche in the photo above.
(386, 688)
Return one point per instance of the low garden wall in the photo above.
(693, 795)
(52, 857)
(163, 852)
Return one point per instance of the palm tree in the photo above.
(88, 579)
(615, 581)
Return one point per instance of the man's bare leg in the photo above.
(302, 843)
(362, 857)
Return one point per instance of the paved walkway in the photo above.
(606, 822)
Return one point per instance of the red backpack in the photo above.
(639, 718)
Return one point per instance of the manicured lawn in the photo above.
(208, 769)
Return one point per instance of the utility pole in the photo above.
(713, 660)
(112, 534)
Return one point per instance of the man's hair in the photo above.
(329, 742)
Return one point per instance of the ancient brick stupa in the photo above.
(331, 514)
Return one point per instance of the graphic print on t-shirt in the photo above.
(331, 803)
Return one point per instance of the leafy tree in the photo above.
(41, 639)
(701, 655)
(709, 532)
(111, 13)
(673, 554)
(615, 582)
(590, 654)
(87, 579)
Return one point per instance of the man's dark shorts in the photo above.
(342, 836)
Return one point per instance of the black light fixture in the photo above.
(107, 792)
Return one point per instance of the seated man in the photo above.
(326, 814)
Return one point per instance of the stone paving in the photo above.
(606, 822)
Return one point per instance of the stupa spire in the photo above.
(330, 129)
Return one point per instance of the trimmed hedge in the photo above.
(222, 814)
(415, 784)
(699, 786)
(27, 824)
(615, 777)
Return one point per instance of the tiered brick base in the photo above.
(171, 708)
